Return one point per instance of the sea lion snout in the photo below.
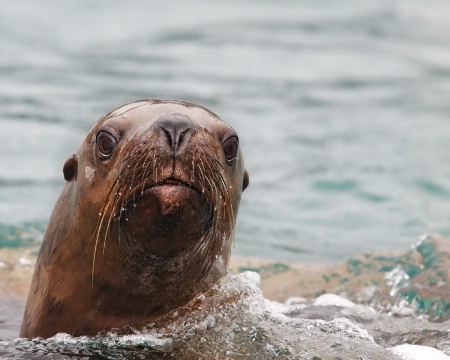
(177, 128)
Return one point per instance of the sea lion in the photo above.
(144, 223)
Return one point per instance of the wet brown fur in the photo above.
(123, 249)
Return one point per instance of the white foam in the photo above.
(397, 279)
(332, 299)
(418, 352)
(144, 340)
(296, 300)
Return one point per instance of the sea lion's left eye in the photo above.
(106, 143)
(230, 147)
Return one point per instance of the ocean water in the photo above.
(342, 109)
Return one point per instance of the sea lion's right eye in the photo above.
(106, 143)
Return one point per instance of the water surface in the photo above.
(341, 107)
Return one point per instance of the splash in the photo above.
(233, 320)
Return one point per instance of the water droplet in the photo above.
(99, 214)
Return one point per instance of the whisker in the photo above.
(102, 218)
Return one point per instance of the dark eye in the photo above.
(230, 148)
(106, 143)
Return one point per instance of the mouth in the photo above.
(141, 189)
(172, 182)
(170, 193)
(168, 217)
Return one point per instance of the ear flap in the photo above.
(70, 168)
(246, 180)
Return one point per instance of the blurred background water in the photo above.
(341, 107)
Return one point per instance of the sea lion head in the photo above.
(151, 202)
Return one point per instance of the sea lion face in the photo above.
(166, 177)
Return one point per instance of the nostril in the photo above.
(169, 136)
(175, 135)
(175, 127)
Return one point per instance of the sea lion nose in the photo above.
(177, 128)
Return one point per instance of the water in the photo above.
(341, 107)
(393, 302)
(234, 321)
